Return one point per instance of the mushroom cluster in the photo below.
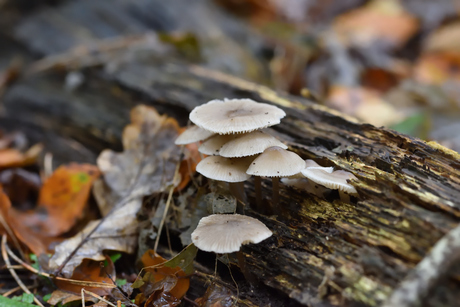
(231, 131)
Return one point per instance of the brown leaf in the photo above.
(159, 272)
(216, 296)
(438, 67)
(64, 297)
(90, 271)
(365, 104)
(379, 20)
(444, 39)
(61, 202)
(11, 157)
(146, 166)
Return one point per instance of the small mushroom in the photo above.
(310, 164)
(249, 144)
(225, 233)
(276, 162)
(235, 116)
(232, 171)
(192, 135)
(212, 146)
(336, 180)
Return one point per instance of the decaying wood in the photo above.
(324, 252)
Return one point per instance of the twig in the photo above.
(71, 281)
(83, 291)
(13, 272)
(9, 292)
(168, 203)
(425, 275)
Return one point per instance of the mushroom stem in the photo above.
(344, 196)
(276, 195)
(258, 190)
(244, 269)
(237, 190)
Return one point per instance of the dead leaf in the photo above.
(380, 21)
(64, 297)
(64, 196)
(366, 104)
(165, 281)
(437, 68)
(146, 166)
(188, 165)
(118, 232)
(444, 39)
(90, 271)
(11, 157)
(216, 296)
(21, 186)
(149, 159)
(61, 202)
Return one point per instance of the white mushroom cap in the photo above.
(310, 164)
(224, 169)
(235, 116)
(336, 180)
(249, 144)
(225, 233)
(212, 146)
(276, 162)
(192, 135)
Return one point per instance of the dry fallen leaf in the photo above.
(380, 21)
(444, 39)
(365, 104)
(11, 157)
(146, 166)
(61, 202)
(165, 280)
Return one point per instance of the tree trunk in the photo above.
(324, 252)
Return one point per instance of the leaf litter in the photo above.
(146, 166)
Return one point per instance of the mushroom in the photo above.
(248, 145)
(225, 233)
(232, 171)
(310, 164)
(212, 146)
(235, 116)
(192, 135)
(336, 180)
(276, 162)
